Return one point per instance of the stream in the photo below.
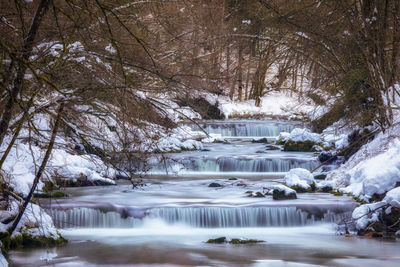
(167, 221)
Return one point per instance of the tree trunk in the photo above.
(40, 171)
(21, 68)
(240, 73)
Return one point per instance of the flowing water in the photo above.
(167, 221)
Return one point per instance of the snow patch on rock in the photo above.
(299, 177)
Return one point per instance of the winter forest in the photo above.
(200, 133)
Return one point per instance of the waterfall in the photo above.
(234, 164)
(204, 217)
(245, 129)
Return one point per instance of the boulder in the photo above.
(300, 179)
(281, 192)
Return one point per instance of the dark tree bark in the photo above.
(40, 171)
(21, 67)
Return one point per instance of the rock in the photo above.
(232, 179)
(301, 146)
(218, 240)
(214, 185)
(259, 194)
(281, 192)
(234, 241)
(300, 180)
(261, 140)
(327, 156)
(320, 176)
(325, 188)
(272, 147)
(56, 194)
(237, 241)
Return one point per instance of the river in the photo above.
(168, 221)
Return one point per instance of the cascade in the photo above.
(204, 217)
(233, 164)
(245, 129)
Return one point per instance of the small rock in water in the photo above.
(214, 185)
(259, 194)
(245, 241)
(232, 179)
(235, 241)
(218, 240)
(272, 147)
(281, 192)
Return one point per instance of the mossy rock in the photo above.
(259, 194)
(306, 146)
(56, 194)
(80, 182)
(261, 140)
(234, 241)
(272, 147)
(219, 240)
(237, 241)
(325, 189)
(280, 142)
(232, 179)
(214, 185)
(25, 240)
(300, 189)
(336, 193)
(280, 195)
(321, 176)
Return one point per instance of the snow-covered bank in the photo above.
(374, 169)
(274, 104)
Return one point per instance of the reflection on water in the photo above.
(159, 244)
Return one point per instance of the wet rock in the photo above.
(320, 176)
(272, 147)
(232, 179)
(214, 185)
(234, 241)
(218, 240)
(302, 146)
(261, 140)
(281, 192)
(325, 188)
(237, 241)
(56, 194)
(259, 194)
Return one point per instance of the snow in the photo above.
(109, 48)
(302, 134)
(273, 104)
(299, 177)
(283, 136)
(282, 188)
(21, 168)
(393, 197)
(3, 261)
(375, 168)
(366, 214)
(336, 134)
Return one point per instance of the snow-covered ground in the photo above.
(278, 104)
